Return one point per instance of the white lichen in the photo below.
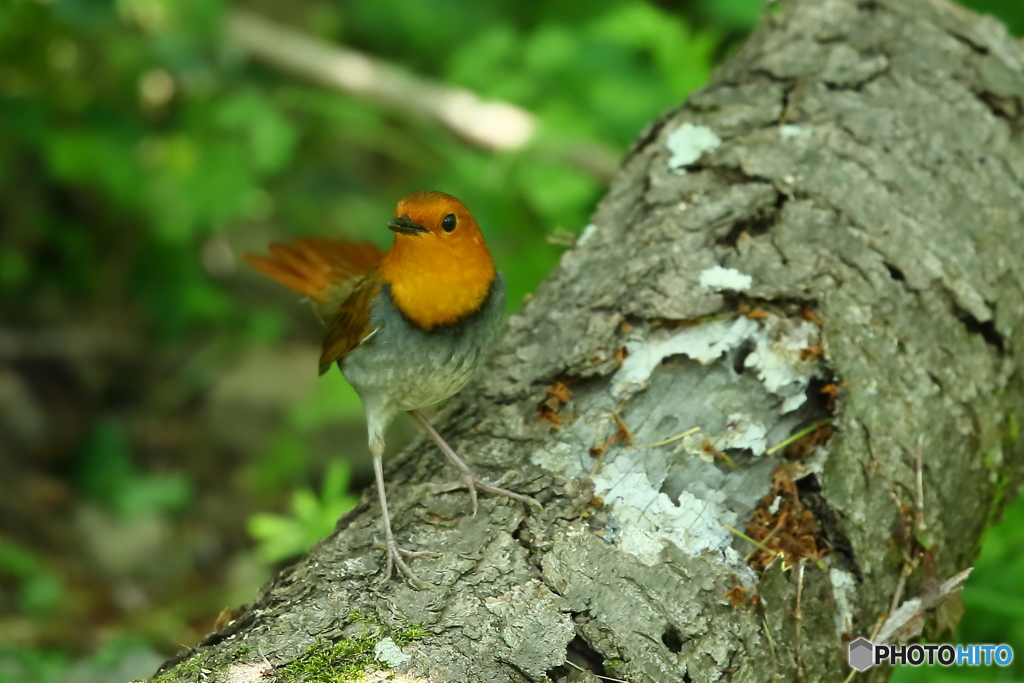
(388, 652)
(585, 236)
(704, 343)
(688, 143)
(782, 361)
(649, 518)
(789, 130)
(844, 588)
(742, 433)
(646, 509)
(719, 278)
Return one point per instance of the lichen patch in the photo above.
(688, 143)
(719, 278)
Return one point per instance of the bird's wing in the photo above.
(350, 325)
(327, 271)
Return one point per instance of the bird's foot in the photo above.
(469, 481)
(395, 557)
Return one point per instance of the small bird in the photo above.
(407, 328)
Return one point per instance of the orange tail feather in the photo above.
(312, 266)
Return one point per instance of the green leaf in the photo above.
(280, 537)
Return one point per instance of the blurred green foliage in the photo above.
(282, 537)
(108, 475)
(140, 153)
(114, 662)
(39, 589)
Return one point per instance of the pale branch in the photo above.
(490, 124)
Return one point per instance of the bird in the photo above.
(408, 328)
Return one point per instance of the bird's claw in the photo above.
(470, 482)
(394, 556)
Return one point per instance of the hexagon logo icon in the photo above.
(862, 654)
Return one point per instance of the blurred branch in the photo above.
(491, 125)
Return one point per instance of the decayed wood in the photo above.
(839, 209)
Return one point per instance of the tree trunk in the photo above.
(828, 236)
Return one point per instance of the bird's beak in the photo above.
(404, 225)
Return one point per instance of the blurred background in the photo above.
(165, 442)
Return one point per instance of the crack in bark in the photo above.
(1009, 108)
(986, 329)
(758, 224)
(831, 523)
(580, 653)
(975, 47)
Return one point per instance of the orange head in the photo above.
(439, 268)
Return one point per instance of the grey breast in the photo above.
(407, 367)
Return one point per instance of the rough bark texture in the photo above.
(871, 171)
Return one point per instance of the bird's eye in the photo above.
(448, 222)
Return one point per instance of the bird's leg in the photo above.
(467, 479)
(391, 549)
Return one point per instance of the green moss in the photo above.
(409, 634)
(342, 661)
(192, 669)
(325, 662)
(241, 652)
(346, 660)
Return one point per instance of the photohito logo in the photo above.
(864, 654)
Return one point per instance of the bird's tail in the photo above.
(317, 267)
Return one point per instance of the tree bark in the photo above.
(838, 212)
